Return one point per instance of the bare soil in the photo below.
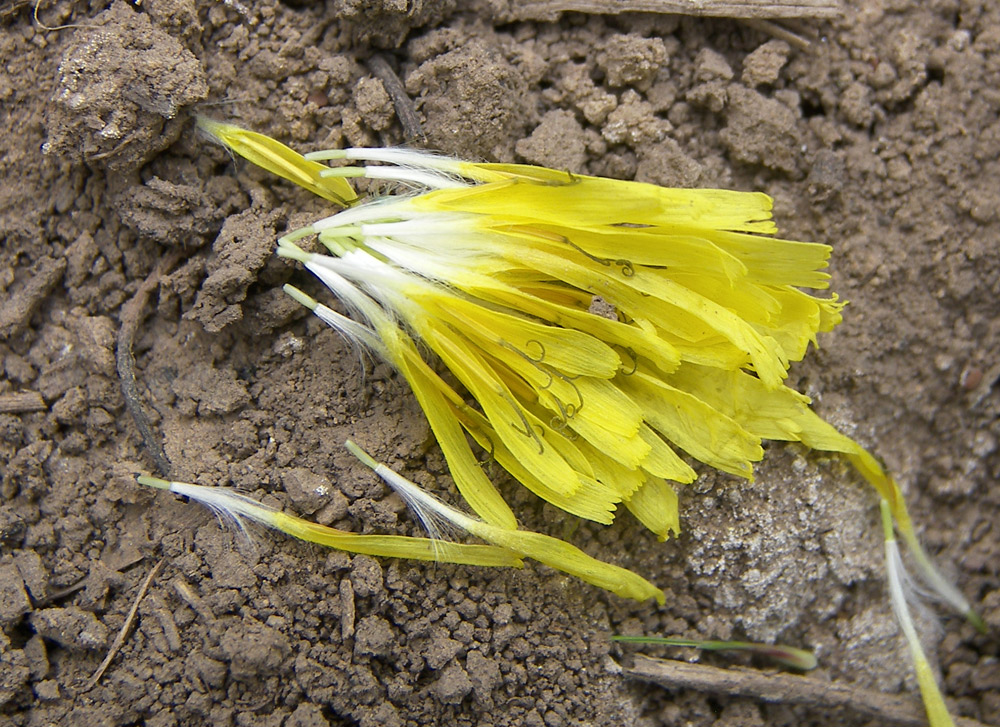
(881, 139)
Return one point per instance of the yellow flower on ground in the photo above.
(606, 334)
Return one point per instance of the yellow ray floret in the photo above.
(543, 548)
(278, 159)
(236, 507)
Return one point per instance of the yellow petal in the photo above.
(693, 425)
(552, 303)
(645, 293)
(477, 489)
(638, 245)
(278, 159)
(655, 506)
(576, 200)
(572, 352)
(662, 461)
(591, 501)
(516, 428)
(613, 475)
(772, 261)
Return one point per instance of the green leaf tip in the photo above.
(977, 621)
(344, 172)
(886, 510)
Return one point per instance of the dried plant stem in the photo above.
(406, 112)
(10, 9)
(784, 688)
(126, 627)
(550, 9)
(21, 402)
(780, 32)
(125, 361)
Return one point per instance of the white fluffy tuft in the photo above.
(229, 506)
(436, 516)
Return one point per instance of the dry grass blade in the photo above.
(778, 31)
(21, 402)
(786, 689)
(406, 112)
(126, 627)
(125, 361)
(550, 9)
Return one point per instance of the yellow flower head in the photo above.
(605, 334)
(597, 324)
(603, 328)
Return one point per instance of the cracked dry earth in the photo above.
(882, 138)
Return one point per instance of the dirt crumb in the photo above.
(174, 213)
(254, 650)
(711, 65)
(14, 602)
(591, 100)
(472, 97)
(307, 490)
(373, 636)
(307, 715)
(712, 74)
(668, 165)
(71, 628)
(386, 23)
(208, 390)
(763, 65)
(121, 88)
(33, 573)
(453, 685)
(558, 142)
(634, 123)
(856, 105)
(761, 131)
(177, 17)
(374, 104)
(14, 672)
(244, 245)
(17, 309)
(367, 577)
(741, 714)
(485, 675)
(631, 60)
(37, 657)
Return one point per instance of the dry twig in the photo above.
(21, 402)
(192, 599)
(775, 30)
(126, 627)
(125, 360)
(784, 688)
(549, 10)
(406, 112)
